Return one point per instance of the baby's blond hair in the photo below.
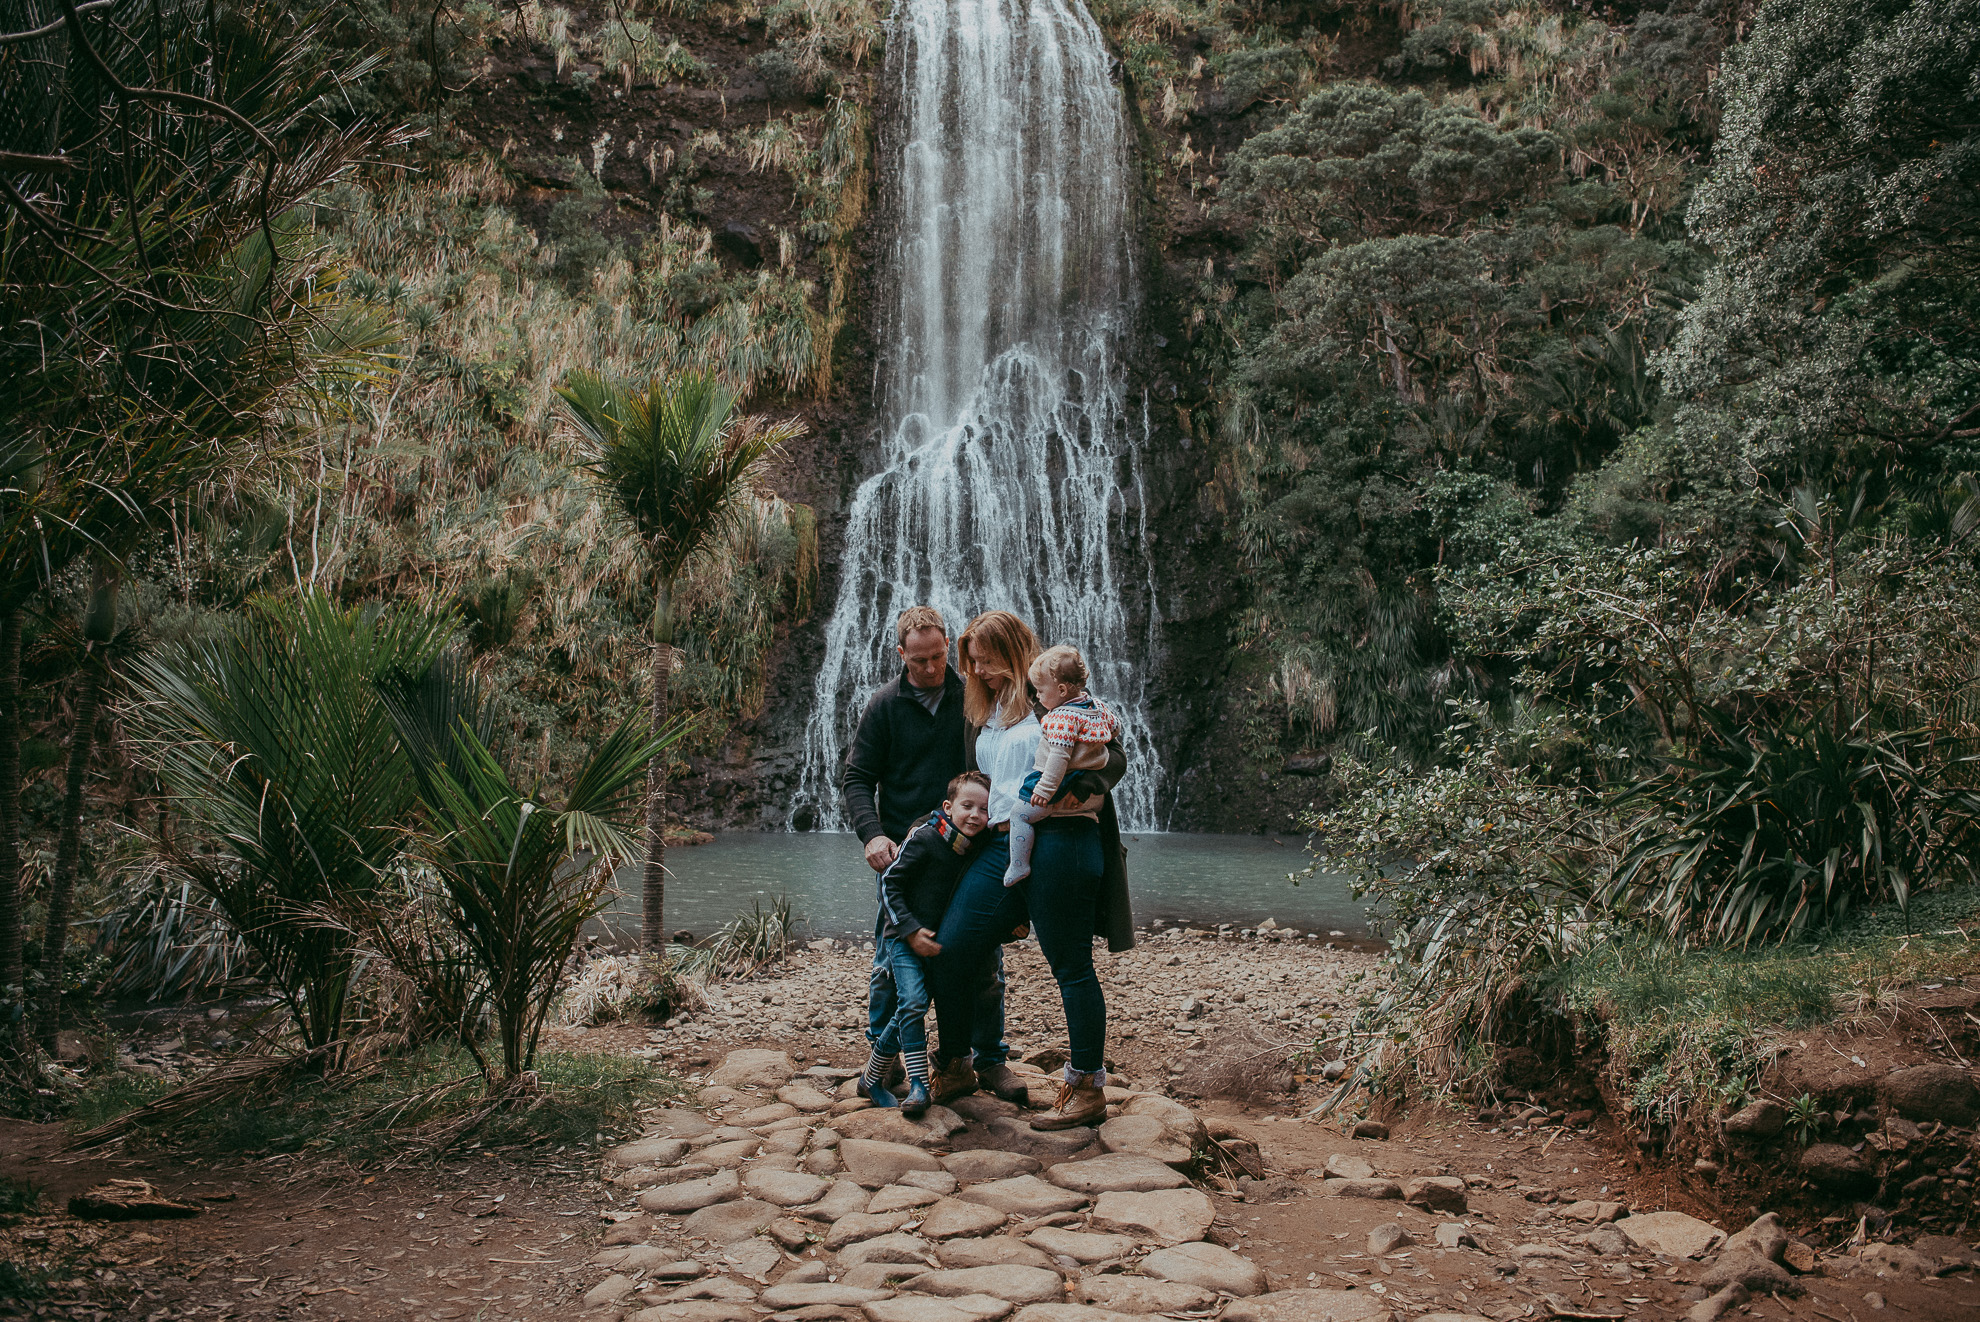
(1063, 664)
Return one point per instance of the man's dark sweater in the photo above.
(902, 758)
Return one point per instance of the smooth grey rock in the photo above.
(608, 1291)
(983, 1108)
(676, 1122)
(941, 1182)
(692, 1195)
(842, 1199)
(980, 1164)
(733, 1153)
(806, 1273)
(1080, 1245)
(991, 1251)
(1743, 1267)
(901, 1198)
(1435, 1193)
(1347, 1166)
(855, 1226)
(825, 1138)
(1145, 1136)
(725, 1289)
(658, 1264)
(953, 1218)
(1765, 1238)
(791, 1142)
(1595, 1210)
(1837, 1169)
(725, 1223)
(757, 1117)
(697, 1310)
(925, 1308)
(1451, 1235)
(1932, 1092)
(1015, 1134)
(1309, 1306)
(1376, 1188)
(1070, 1313)
(1140, 1294)
(1387, 1238)
(648, 1152)
(1208, 1266)
(1019, 1285)
(1171, 1216)
(648, 1177)
(1023, 1195)
(1116, 1172)
(804, 1097)
(1674, 1233)
(784, 1188)
(830, 1293)
(896, 1247)
(875, 1164)
(1762, 1119)
(886, 1124)
(882, 1275)
(754, 1258)
(752, 1069)
(821, 1161)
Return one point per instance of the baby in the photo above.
(914, 891)
(1077, 730)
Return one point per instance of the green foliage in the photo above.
(1804, 1119)
(744, 945)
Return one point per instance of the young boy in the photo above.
(1077, 729)
(914, 890)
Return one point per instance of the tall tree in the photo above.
(680, 464)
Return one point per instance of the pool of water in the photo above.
(1200, 879)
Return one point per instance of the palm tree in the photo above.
(680, 465)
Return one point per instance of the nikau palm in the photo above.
(681, 465)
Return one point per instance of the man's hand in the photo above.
(924, 944)
(881, 852)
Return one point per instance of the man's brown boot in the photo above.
(1000, 1080)
(953, 1079)
(1081, 1102)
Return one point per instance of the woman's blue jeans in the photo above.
(1061, 899)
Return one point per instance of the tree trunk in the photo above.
(98, 629)
(653, 925)
(13, 992)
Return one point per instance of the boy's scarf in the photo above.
(948, 832)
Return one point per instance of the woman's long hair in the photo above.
(1003, 640)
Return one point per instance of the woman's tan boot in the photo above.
(1082, 1101)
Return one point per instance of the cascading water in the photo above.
(1010, 474)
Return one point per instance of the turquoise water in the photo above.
(1196, 879)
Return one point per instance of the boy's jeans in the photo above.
(882, 1004)
(897, 1000)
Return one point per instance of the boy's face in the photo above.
(970, 809)
(1051, 692)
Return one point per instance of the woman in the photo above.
(1067, 897)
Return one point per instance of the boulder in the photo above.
(692, 1195)
(1597, 1211)
(812, 1293)
(1015, 1134)
(1835, 1168)
(886, 1124)
(852, 1228)
(1208, 1266)
(876, 1164)
(648, 1152)
(1765, 1238)
(1145, 1136)
(901, 1198)
(732, 1153)
(752, 1069)
(608, 1291)
(1750, 1270)
(1309, 1306)
(1137, 1294)
(784, 1188)
(1896, 1260)
(1932, 1092)
(939, 1182)
(1079, 1245)
(804, 1097)
(1116, 1172)
(895, 1247)
(841, 1199)
(1759, 1120)
(1674, 1233)
(1346, 1166)
(981, 1164)
(952, 1218)
(821, 1161)
(1169, 1216)
(923, 1308)
(1019, 1285)
(697, 1310)
(1435, 1193)
(991, 1251)
(1388, 1237)
(759, 1116)
(1376, 1188)
(1023, 1195)
(725, 1223)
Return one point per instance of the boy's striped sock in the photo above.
(917, 1065)
(876, 1069)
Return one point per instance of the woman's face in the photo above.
(994, 674)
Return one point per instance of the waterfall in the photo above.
(1010, 472)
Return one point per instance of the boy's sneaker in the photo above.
(917, 1099)
(876, 1094)
(1000, 1080)
(954, 1079)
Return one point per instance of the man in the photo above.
(908, 746)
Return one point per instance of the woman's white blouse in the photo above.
(1005, 754)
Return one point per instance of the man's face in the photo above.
(970, 809)
(926, 655)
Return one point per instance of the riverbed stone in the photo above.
(1209, 1266)
(1144, 1136)
(1674, 1233)
(842, 1199)
(697, 1310)
(881, 1275)
(1080, 1245)
(1023, 1195)
(1140, 1294)
(1347, 1166)
(991, 1251)
(646, 1177)
(896, 1247)
(784, 1188)
(1932, 1092)
(810, 1294)
(1116, 1172)
(608, 1291)
(758, 1116)
(1309, 1306)
(1435, 1193)
(1015, 1134)
(926, 1308)
(676, 1122)
(648, 1152)
(875, 1164)
(1171, 1216)
(752, 1069)
(821, 1161)
(732, 1153)
(753, 1257)
(1071, 1313)
(886, 1124)
(1018, 1284)
(1387, 1238)
(789, 1142)
(804, 1097)
(900, 1198)
(725, 1223)
(954, 1218)
(982, 1107)
(940, 1182)
(855, 1226)
(1596, 1210)
(1835, 1168)
(726, 1289)
(692, 1195)
(1375, 1188)
(980, 1164)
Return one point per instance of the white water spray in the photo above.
(1010, 475)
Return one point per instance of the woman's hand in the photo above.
(924, 944)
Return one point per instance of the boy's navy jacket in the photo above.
(915, 888)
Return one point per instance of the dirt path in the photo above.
(514, 1235)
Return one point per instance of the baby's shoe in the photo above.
(876, 1094)
(917, 1099)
